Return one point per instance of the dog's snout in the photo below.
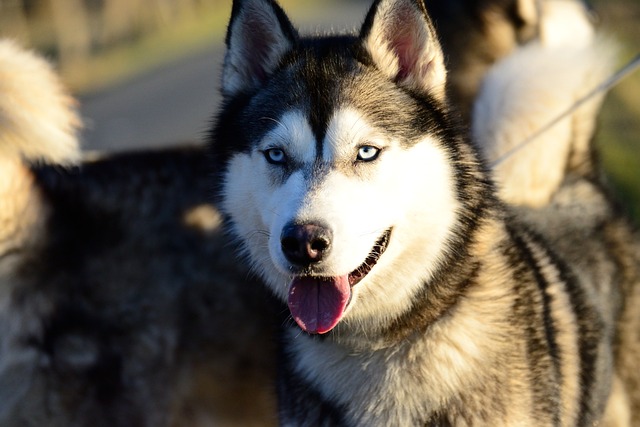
(305, 244)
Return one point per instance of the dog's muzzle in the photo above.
(317, 303)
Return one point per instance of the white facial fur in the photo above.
(409, 189)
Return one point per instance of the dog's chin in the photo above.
(318, 303)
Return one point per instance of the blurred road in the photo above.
(175, 103)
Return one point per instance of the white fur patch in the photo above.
(261, 207)
(409, 190)
(291, 133)
(423, 375)
(565, 23)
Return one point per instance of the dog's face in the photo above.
(336, 160)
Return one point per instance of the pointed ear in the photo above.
(399, 36)
(258, 36)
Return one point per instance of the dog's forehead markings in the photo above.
(292, 132)
(347, 129)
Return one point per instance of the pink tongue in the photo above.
(317, 303)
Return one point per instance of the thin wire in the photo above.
(616, 78)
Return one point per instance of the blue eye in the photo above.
(275, 156)
(368, 153)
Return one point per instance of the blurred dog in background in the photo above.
(117, 288)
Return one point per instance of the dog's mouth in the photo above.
(318, 303)
(359, 273)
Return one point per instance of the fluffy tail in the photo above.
(529, 89)
(38, 122)
(38, 118)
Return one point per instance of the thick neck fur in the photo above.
(437, 348)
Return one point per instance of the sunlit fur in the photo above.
(519, 98)
(555, 182)
(38, 119)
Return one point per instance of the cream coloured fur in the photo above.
(520, 96)
(38, 119)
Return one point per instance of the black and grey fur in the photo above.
(556, 183)
(498, 329)
(117, 286)
(117, 312)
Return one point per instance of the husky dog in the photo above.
(416, 296)
(116, 285)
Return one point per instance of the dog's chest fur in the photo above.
(439, 377)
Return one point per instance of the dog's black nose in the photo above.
(305, 244)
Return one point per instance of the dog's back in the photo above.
(120, 299)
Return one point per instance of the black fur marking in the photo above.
(285, 25)
(590, 327)
(433, 302)
(548, 343)
(320, 66)
(590, 333)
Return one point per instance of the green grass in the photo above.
(618, 143)
(618, 138)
